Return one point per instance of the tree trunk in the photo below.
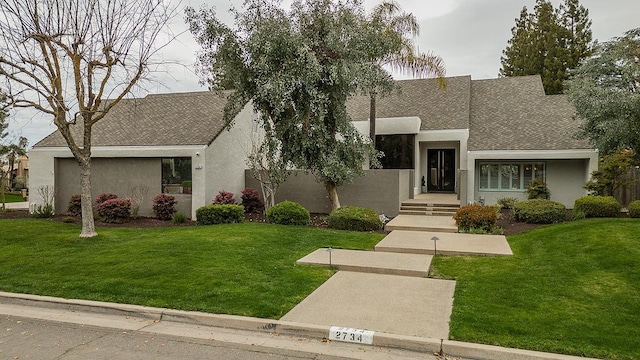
(372, 119)
(88, 225)
(332, 194)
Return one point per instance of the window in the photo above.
(175, 171)
(509, 176)
(397, 149)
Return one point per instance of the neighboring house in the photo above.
(480, 139)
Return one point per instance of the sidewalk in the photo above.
(262, 332)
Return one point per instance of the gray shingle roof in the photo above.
(446, 108)
(156, 120)
(515, 114)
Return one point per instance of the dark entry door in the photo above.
(441, 170)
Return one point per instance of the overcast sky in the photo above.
(468, 34)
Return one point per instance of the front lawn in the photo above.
(572, 288)
(242, 269)
(11, 198)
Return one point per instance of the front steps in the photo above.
(416, 207)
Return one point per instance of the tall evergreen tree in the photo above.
(548, 42)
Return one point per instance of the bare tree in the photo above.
(65, 57)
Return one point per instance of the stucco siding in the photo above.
(226, 157)
(381, 190)
(565, 179)
(114, 175)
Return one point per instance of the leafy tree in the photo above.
(8, 152)
(611, 173)
(395, 31)
(64, 57)
(548, 42)
(298, 69)
(606, 93)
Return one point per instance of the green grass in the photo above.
(572, 288)
(242, 269)
(11, 198)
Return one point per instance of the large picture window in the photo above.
(176, 174)
(397, 149)
(509, 176)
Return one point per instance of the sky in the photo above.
(469, 35)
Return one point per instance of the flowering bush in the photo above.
(114, 210)
(224, 198)
(251, 201)
(75, 205)
(104, 197)
(164, 206)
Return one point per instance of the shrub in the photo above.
(179, 218)
(540, 211)
(224, 198)
(187, 184)
(634, 209)
(74, 208)
(288, 213)
(43, 211)
(104, 197)
(537, 189)
(164, 206)
(114, 210)
(477, 217)
(68, 220)
(251, 201)
(219, 214)
(354, 218)
(597, 206)
(507, 202)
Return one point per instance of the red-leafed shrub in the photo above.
(164, 206)
(251, 201)
(114, 210)
(224, 198)
(476, 217)
(104, 197)
(75, 205)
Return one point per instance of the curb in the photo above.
(413, 343)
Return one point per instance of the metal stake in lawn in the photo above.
(435, 248)
(329, 250)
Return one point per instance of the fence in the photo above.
(630, 192)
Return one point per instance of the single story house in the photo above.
(480, 139)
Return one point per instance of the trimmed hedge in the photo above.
(288, 213)
(540, 211)
(219, 214)
(476, 216)
(634, 209)
(597, 206)
(354, 218)
(114, 210)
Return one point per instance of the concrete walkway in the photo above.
(422, 223)
(417, 242)
(18, 205)
(391, 304)
(371, 261)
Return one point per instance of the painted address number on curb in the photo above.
(351, 335)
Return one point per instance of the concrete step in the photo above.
(429, 208)
(422, 223)
(413, 242)
(426, 212)
(389, 263)
(429, 204)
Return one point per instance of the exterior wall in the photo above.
(226, 158)
(117, 176)
(566, 173)
(43, 171)
(381, 190)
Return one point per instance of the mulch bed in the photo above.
(505, 221)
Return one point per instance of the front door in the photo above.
(441, 170)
